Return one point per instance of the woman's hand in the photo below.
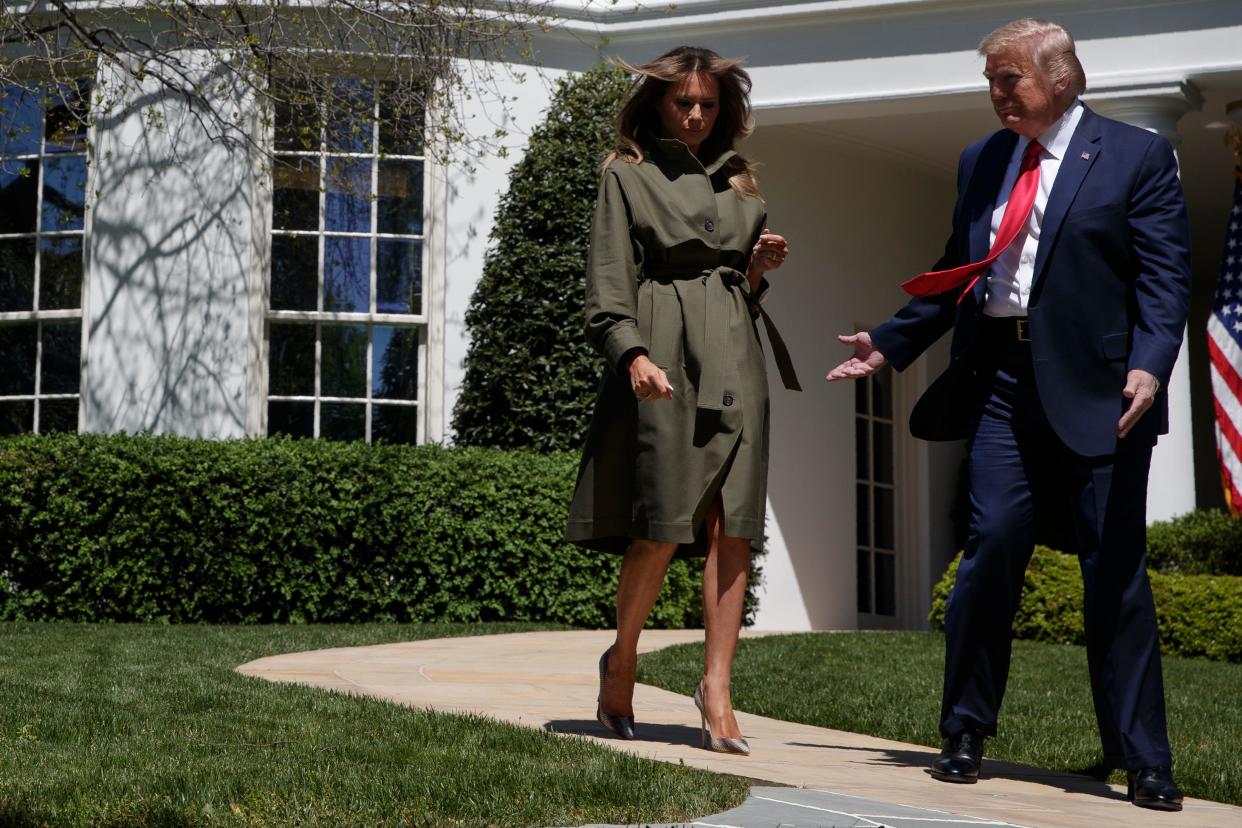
(768, 253)
(648, 380)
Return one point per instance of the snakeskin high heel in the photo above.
(620, 726)
(725, 745)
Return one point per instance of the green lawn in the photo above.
(888, 685)
(120, 725)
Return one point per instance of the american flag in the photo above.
(1225, 348)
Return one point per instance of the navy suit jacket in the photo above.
(1111, 285)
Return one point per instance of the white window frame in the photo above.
(873, 619)
(35, 315)
(430, 321)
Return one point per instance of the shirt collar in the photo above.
(1056, 138)
(673, 148)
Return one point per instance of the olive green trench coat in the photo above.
(670, 244)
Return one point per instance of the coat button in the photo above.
(709, 226)
(728, 399)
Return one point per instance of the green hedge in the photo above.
(1198, 615)
(142, 528)
(1203, 542)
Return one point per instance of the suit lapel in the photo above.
(1083, 151)
(989, 175)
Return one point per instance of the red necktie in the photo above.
(1017, 211)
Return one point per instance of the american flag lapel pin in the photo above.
(1086, 156)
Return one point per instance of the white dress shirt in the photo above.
(1010, 277)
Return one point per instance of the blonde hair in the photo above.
(1051, 45)
(640, 112)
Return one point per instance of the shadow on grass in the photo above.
(665, 733)
(992, 769)
(21, 815)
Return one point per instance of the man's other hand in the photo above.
(865, 362)
(1141, 388)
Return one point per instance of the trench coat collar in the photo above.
(674, 150)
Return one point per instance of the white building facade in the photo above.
(202, 293)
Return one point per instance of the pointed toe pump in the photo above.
(725, 745)
(620, 726)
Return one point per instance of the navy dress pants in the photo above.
(1018, 467)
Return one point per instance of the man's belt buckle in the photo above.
(1023, 330)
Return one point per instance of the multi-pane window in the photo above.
(43, 175)
(346, 322)
(873, 443)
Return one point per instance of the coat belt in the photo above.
(719, 286)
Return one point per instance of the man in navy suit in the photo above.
(1067, 317)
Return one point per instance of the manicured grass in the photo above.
(119, 725)
(888, 685)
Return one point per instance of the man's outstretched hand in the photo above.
(865, 362)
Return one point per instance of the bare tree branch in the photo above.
(287, 55)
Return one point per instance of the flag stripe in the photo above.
(1229, 376)
(1224, 339)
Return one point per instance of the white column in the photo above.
(1171, 488)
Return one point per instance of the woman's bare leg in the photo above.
(724, 592)
(642, 574)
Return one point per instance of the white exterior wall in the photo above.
(856, 225)
(169, 255)
(469, 206)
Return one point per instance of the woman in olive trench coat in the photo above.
(677, 454)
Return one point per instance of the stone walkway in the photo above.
(549, 680)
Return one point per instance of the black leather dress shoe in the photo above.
(960, 758)
(1153, 788)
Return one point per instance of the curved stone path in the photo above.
(549, 680)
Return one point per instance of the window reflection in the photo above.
(344, 361)
(19, 192)
(62, 348)
(400, 197)
(347, 206)
(291, 360)
(17, 368)
(20, 118)
(401, 120)
(398, 276)
(394, 372)
(17, 262)
(350, 124)
(64, 193)
(346, 274)
(67, 107)
(292, 418)
(58, 415)
(394, 424)
(60, 273)
(343, 421)
(295, 194)
(16, 416)
(297, 121)
(295, 269)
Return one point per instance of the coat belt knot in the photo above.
(723, 286)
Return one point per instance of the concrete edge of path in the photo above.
(548, 680)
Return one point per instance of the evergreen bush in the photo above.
(530, 377)
(1203, 542)
(141, 528)
(1198, 615)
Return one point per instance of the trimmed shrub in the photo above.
(530, 376)
(1203, 542)
(1198, 615)
(142, 528)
